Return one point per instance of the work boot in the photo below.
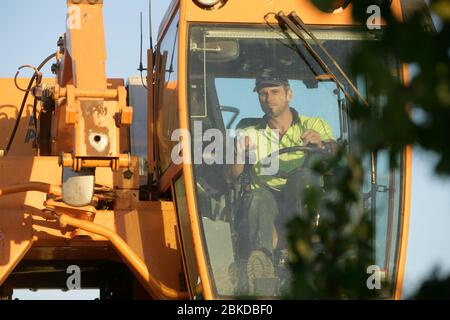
(261, 274)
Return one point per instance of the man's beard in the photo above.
(274, 112)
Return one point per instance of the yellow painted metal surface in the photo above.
(188, 176)
(406, 212)
(86, 46)
(254, 11)
(148, 233)
(89, 116)
(16, 238)
(148, 228)
(10, 103)
(145, 233)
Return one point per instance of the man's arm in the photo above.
(233, 171)
(311, 136)
(319, 133)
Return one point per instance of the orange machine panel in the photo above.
(10, 103)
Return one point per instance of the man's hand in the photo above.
(243, 144)
(312, 137)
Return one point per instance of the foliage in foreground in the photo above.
(330, 260)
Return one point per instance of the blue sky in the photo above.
(29, 31)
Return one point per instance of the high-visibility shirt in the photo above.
(268, 141)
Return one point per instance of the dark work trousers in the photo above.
(262, 210)
(258, 213)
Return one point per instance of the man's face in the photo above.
(274, 100)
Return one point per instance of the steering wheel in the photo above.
(309, 151)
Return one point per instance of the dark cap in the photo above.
(269, 78)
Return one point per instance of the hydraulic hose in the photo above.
(158, 288)
(31, 186)
(25, 97)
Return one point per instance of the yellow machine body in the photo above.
(160, 241)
